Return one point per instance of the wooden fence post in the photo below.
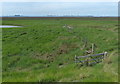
(92, 48)
(105, 54)
(75, 59)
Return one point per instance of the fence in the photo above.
(90, 59)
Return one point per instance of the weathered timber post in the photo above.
(75, 59)
(92, 48)
(105, 55)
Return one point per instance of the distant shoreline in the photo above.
(63, 17)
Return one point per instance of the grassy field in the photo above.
(43, 49)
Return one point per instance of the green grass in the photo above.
(43, 50)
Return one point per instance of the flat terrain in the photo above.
(43, 49)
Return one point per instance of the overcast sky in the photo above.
(60, 7)
(59, 0)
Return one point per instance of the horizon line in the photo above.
(56, 16)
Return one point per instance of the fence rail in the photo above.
(90, 59)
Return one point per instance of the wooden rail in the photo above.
(90, 59)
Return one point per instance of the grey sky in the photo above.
(59, 0)
(60, 8)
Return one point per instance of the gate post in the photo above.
(105, 55)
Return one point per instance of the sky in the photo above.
(59, 0)
(62, 8)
